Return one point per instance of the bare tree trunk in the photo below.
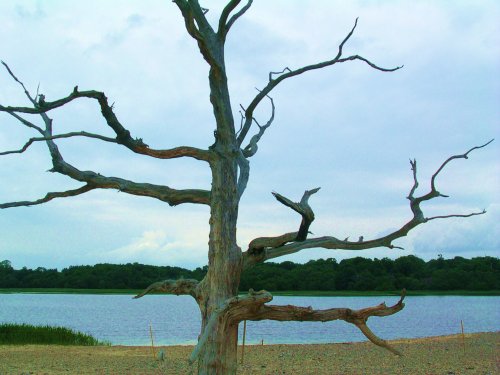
(221, 308)
(225, 263)
(218, 355)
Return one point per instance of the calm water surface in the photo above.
(175, 319)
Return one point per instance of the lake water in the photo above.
(175, 319)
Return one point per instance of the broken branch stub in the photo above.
(177, 287)
(301, 208)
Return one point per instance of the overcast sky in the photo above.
(349, 129)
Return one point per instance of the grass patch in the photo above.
(22, 334)
(69, 291)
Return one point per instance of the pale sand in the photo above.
(439, 355)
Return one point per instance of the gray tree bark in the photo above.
(217, 294)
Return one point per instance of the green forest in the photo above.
(355, 274)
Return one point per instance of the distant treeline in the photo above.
(360, 274)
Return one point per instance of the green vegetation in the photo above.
(22, 334)
(356, 276)
(361, 274)
(369, 293)
(309, 293)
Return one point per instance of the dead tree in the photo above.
(222, 309)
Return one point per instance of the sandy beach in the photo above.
(477, 354)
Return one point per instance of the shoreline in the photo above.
(298, 293)
(454, 336)
(477, 353)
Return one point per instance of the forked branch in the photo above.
(123, 135)
(265, 248)
(199, 28)
(303, 209)
(224, 24)
(251, 149)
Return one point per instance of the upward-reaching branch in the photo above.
(463, 156)
(199, 28)
(231, 5)
(224, 23)
(252, 147)
(288, 73)
(257, 248)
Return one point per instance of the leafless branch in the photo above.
(356, 317)
(189, 21)
(22, 120)
(58, 136)
(251, 149)
(271, 74)
(341, 45)
(199, 28)
(241, 120)
(123, 136)
(253, 307)
(237, 15)
(273, 247)
(244, 167)
(231, 5)
(33, 101)
(198, 14)
(455, 215)
(164, 193)
(301, 208)
(463, 156)
(273, 82)
(94, 180)
(258, 249)
(49, 197)
(177, 287)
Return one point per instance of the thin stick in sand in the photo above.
(463, 335)
(244, 336)
(152, 342)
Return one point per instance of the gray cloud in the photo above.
(348, 129)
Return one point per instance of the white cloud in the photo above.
(477, 235)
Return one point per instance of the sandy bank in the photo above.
(439, 355)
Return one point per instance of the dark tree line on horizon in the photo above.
(355, 274)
